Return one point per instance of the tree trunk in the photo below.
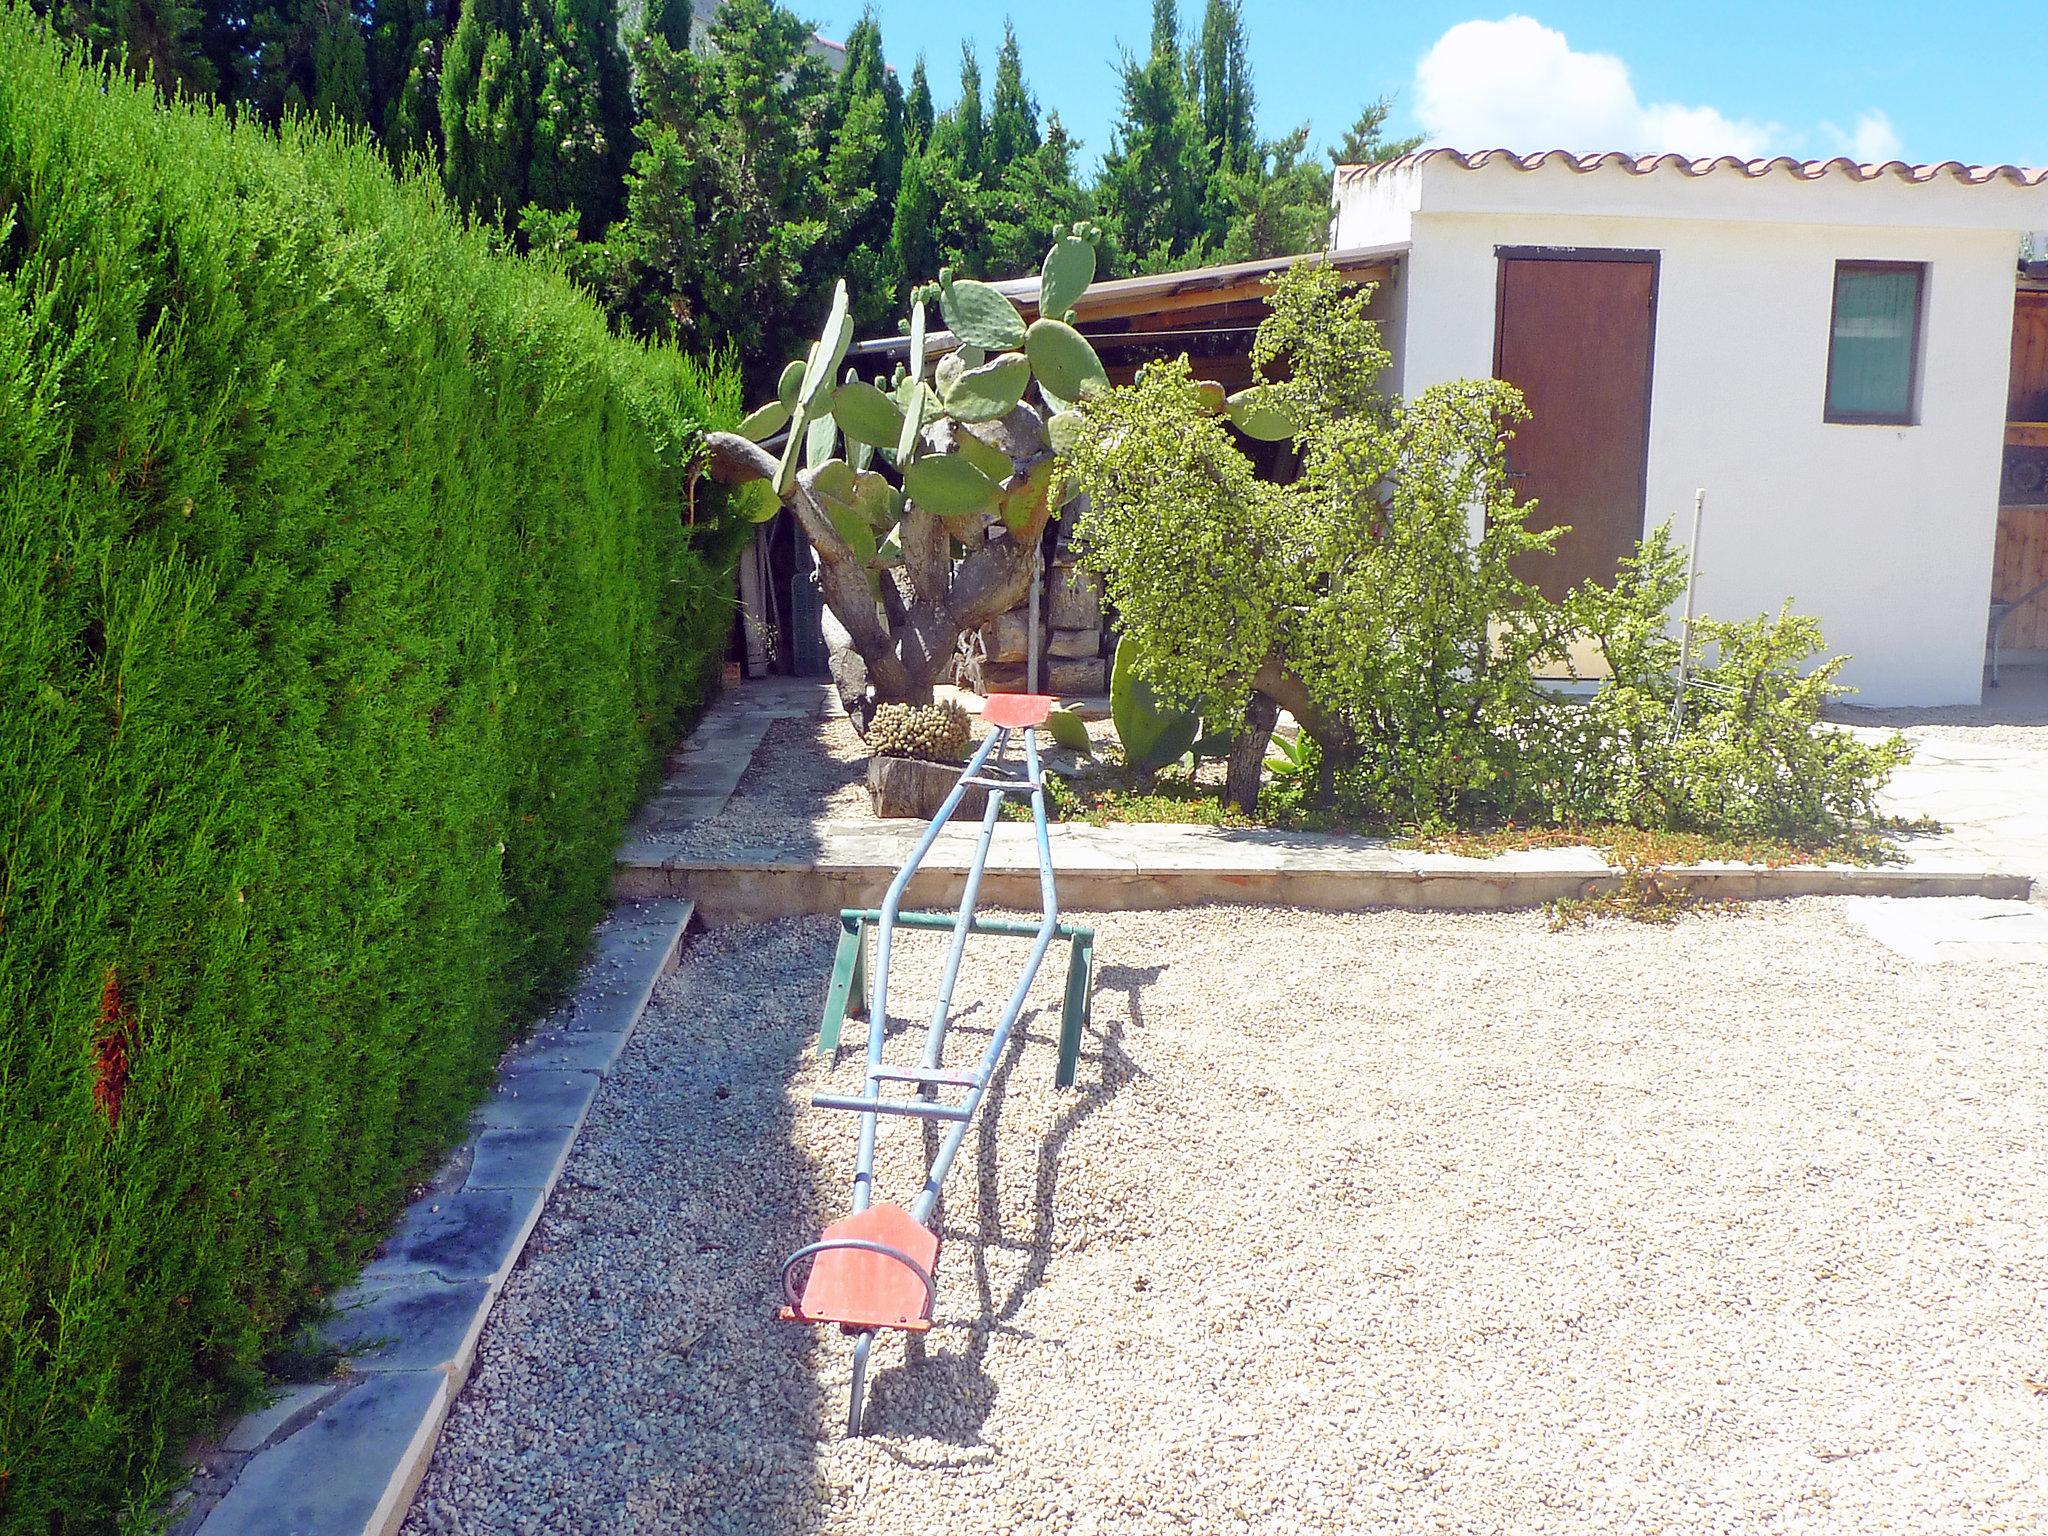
(898, 650)
(1247, 760)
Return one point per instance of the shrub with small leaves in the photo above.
(937, 733)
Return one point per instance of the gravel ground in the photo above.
(2015, 714)
(1379, 1223)
(802, 773)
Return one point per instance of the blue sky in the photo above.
(1804, 77)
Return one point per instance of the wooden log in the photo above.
(909, 788)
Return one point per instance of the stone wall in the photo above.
(997, 658)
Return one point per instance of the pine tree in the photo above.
(1279, 205)
(1155, 178)
(1363, 143)
(1013, 115)
(723, 238)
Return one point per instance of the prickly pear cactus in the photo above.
(925, 494)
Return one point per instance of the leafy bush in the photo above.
(348, 590)
(1355, 596)
(1360, 598)
(1750, 759)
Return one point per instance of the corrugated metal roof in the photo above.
(1155, 293)
(1119, 292)
(1645, 165)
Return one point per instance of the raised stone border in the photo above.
(1149, 867)
(342, 1457)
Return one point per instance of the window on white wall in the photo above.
(1874, 342)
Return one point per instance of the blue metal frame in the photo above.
(929, 1077)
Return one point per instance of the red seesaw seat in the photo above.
(859, 1275)
(1016, 710)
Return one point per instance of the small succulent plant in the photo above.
(937, 733)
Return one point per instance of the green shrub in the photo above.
(351, 579)
(1750, 759)
(1358, 597)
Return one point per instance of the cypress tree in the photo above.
(917, 107)
(1224, 79)
(308, 56)
(405, 43)
(1037, 199)
(967, 131)
(583, 112)
(414, 126)
(1013, 115)
(913, 243)
(166, 43)
(671, 21)
(864, 158)
(340, 65)
(489, 85)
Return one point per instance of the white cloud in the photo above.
(1517, 84)
(1872, 141)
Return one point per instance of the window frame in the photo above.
(1910, 417)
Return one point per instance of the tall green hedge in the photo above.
(351, 581)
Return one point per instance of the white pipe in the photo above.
(1692, 571)
(1031, 641)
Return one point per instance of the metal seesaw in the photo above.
(877, 1268)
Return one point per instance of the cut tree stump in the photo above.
(909, 788)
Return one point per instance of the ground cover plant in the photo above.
(352, 576)
(1377, 598)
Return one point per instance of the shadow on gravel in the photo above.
(905, 1399)
(672, 1400)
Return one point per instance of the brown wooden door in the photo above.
(1573, 334)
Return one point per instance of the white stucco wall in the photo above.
(1884, 533)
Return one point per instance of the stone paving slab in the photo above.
(524, 1157)
(706, 768)
(526, 1097)
(352, 1468)
(1148, 867)
(251, 1430)
(1969, 928)
(1991, 799)
(422, 1324)
(342, 1457)
(473, 1234)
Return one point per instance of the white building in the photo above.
(1826, 348)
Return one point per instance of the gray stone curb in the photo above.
(1180, 867)
(343, 1457)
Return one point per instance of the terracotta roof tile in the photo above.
(1643, 165)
